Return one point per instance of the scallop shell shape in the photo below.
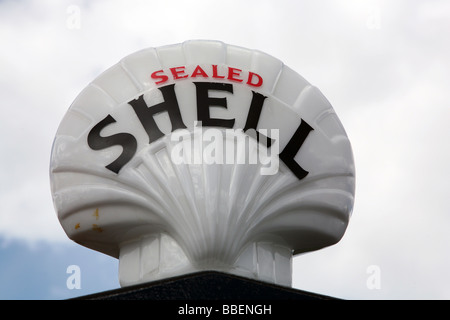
(162, 217)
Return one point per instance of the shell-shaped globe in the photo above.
(202, 156)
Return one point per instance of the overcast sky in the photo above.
(383, 65)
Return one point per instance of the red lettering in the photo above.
(259, 80)
(215, 74)
(156, 76)
(199, 72)
(177, 71)
(232, 72)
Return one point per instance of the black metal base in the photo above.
(208, 285)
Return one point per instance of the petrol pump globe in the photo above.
(202, 156)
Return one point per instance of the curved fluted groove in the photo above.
(107, 182)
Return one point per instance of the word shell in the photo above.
(235, 108)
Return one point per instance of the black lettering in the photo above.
(146, 113)
(253, 118)
(126, 140)
(204, 102)
(293, 146)
(255, 111)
